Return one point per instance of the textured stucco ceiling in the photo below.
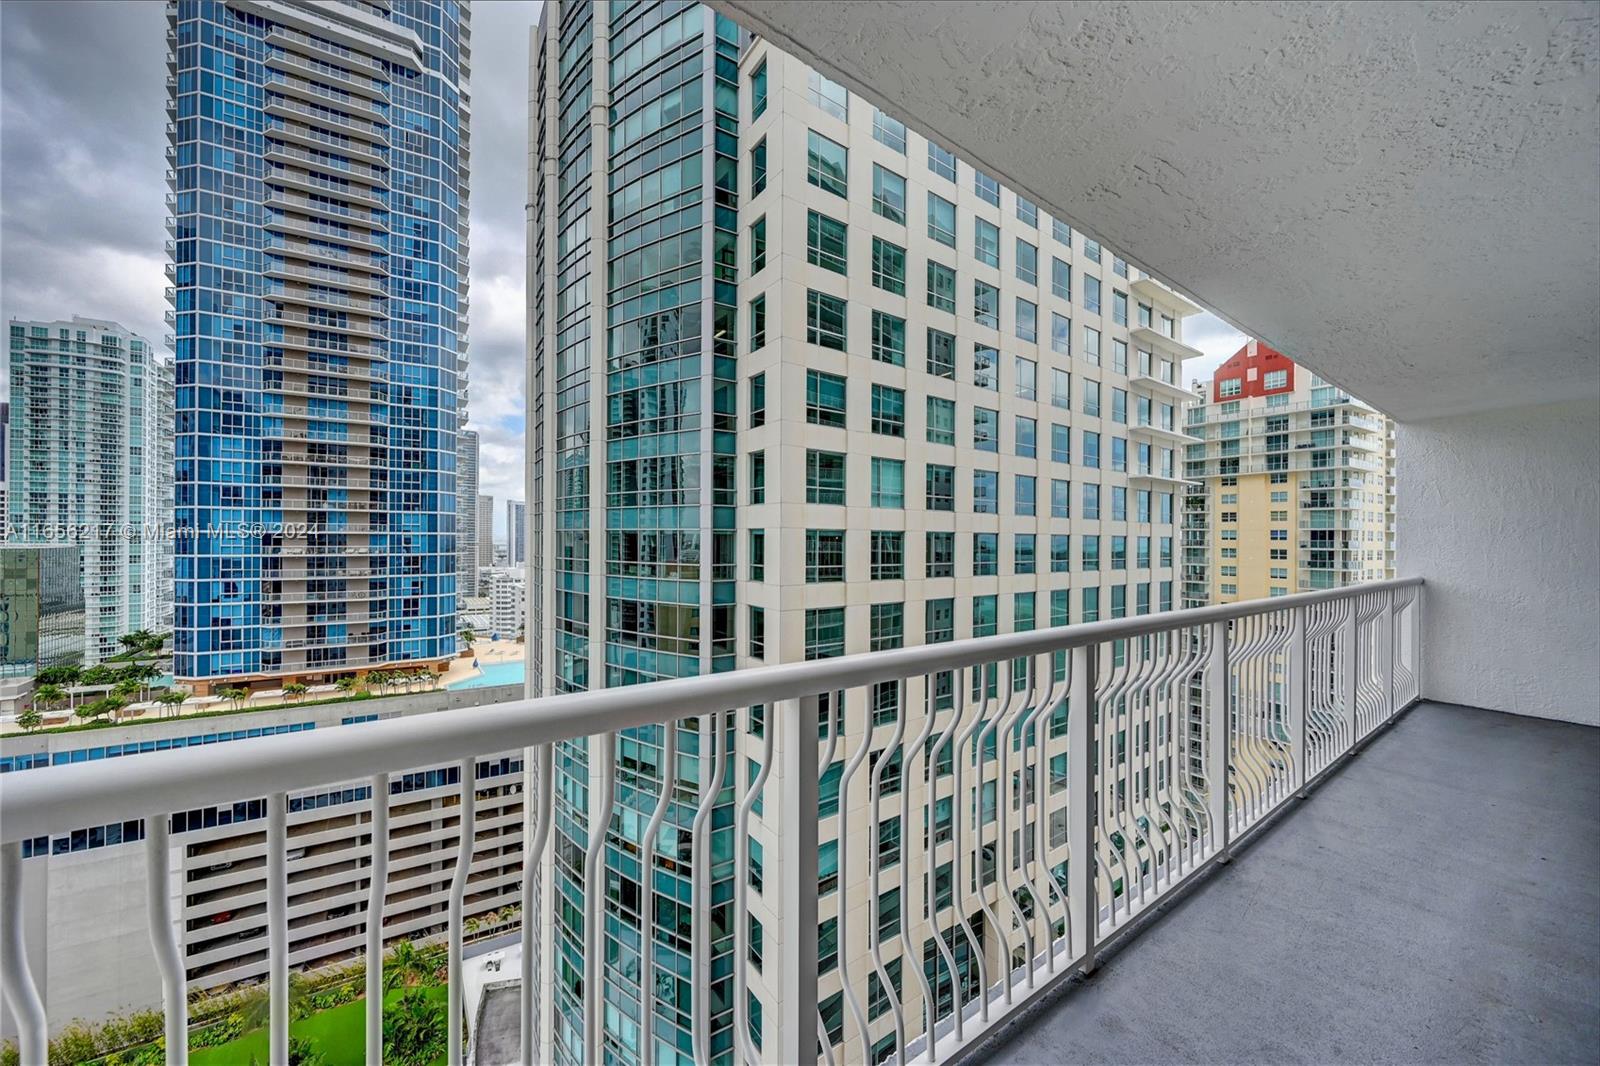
(1405, 197)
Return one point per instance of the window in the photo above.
(986, 242)
(758, 477)
(941, 354)
(889, 132)
(1027, 436)
(986, 304)
(824, 555)
(888, 555)
(888, 483)
(888, 411)
(939, 621)
(758, 555)
(986, 367)
(827, 164)
(1027, 320)
(1026, 372)
(941, 487)
(1230, 386)
(987, 188)
(1119, 406)
(985, 554)
(824, 632)
(1024, 553)
(986, 492)
(830, 96)
(758, 91)
(1061, 279)
(1027, 212)
(1091, 500)
(1091, 397)
(758, 168)
(1091, 250)
(758, 323)
(1275, 379)
(888, 266)
(825, 399)
(1091, 449)
(888, 194)
(827, 243)
(758, 400)
(878, 997)
(1027, 260)
(1060, 443)
(1119, 307)
(985, 429)
(888, 631)
(1060, 553)
(985, 623)
(758, 633)
(1089, 546)
(1091, 346)
(1119, 356)
(825, 320)
(1060, 498)
(941, 162)
(824, 477)
(1091, 293)
(941, 220)
(941, 287)
(1061, 231)
(758, 245)
(940, 549)
(941, 420)
(1144, 315)
(1060, 333)
(888, 339)
(1025, 490)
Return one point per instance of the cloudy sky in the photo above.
(83, 181)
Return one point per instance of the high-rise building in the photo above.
(319, 158)
(466, 513)
(485, 530)
(5, 436)
(516, 533)
(506, 589)
(853, 393)
(1291, 484)
(91, 464)
(41, 607)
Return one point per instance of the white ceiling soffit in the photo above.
(1405, 197)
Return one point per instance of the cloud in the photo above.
(1214, 337)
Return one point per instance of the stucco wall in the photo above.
(1500, 513)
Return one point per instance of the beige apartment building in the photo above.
(1292, 484)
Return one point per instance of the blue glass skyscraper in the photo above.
(319, 157)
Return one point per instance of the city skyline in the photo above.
(56, 120)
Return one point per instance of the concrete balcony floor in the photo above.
(1436, 900)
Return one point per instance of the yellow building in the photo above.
(1292, 484)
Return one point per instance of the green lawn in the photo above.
(340, 1034)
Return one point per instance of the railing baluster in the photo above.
(647, 878)
(911, 953)
(741, 897)
(278, 928)
(700, 943)
(458, 894)
(378, 890)
(594, 893)
(542, 791)
(1389, 629)
(843, 927)
(1295, 686)
(1083, 908)
(947, 740)
(1219, 730)
(33, 1030)
(800, 1026)
(874, 864)
(164, 939)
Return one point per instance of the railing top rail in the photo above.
(56, 800)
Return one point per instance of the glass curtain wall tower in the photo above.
(319, 158)
(633, 239)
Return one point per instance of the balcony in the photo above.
(1160, 710)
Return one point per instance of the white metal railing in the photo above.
(1065, 781)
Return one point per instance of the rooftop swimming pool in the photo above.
(492, 674)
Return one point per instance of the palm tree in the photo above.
(406, 967)
(172, 697)
(256, 1010)
(468, 636)
(348, 684)
(294, 690)
(114, 705)
(414, 1030)
(30, 719)
(49, 696)
(235, 696)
